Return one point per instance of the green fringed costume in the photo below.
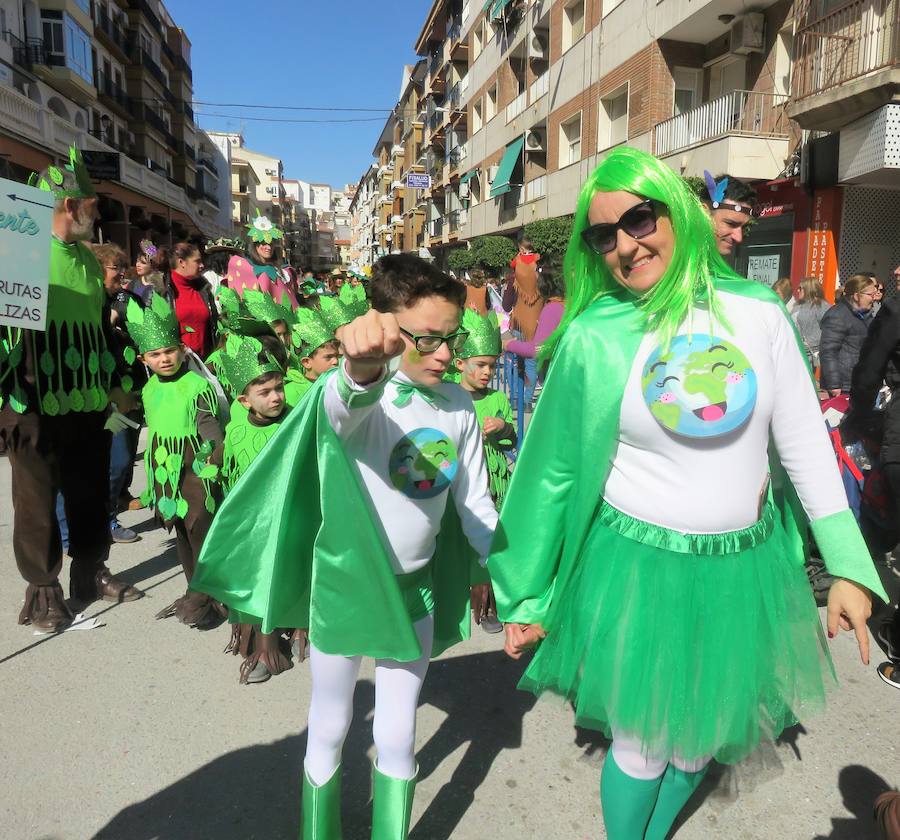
(484, 340)
(183, 431)
(54, 389)
(692, 644)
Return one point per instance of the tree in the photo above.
(493, 253)
(696, 185)
(550, 237)
(460, 259)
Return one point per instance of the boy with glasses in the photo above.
(385, 463)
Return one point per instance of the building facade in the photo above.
(518, 100)
(113, 77)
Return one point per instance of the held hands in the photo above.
(522, 637)
(369, 343)
(849, 607)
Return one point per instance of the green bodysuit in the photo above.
(244, 440)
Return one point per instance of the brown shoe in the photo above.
(45, 609)
(136, 504)
(105, 587)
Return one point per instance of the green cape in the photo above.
(280, 550)
(555, 490)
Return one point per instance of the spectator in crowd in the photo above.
(550, 288)
(785, 290)
(477, 292)
(844, 329)
(191, 296)
(526, 306)
(808, 313)
(151, 270)
(730, 204)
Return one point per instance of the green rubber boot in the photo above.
(322, 808)
(392, 806)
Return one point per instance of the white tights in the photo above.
(397, 687)
(633, 760)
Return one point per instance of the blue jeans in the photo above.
(530, 373)
(121, 467)
(63, 522)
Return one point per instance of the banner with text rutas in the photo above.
(26, 214)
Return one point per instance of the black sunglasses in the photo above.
(638, 221)
(430, 343)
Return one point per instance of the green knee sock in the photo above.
(627, 802)
(674, 792)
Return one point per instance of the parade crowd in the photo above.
(344, 478)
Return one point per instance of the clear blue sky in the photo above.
(307, 53)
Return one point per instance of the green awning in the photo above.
(512, 155)
(496, 8)
(468, 176)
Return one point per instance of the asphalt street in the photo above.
(138, 730)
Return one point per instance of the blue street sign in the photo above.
(418, 181)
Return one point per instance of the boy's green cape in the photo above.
(555, 489)
(280, 550)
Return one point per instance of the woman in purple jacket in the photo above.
(549, 284)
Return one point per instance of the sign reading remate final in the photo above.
(26, 215)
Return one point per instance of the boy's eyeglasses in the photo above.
(638, 222)
(430, 343)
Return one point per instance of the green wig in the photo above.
(695, 259)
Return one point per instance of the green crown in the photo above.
(354, 298)
(484, 335)
(311, 331)
(241, 362)
(70, 181)
(251, 315)
(261, 229)
(335, 313)
(154, 326)
(262, 307)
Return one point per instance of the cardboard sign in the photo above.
(26, 214)
(763, 267)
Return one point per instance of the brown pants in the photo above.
(67, 454)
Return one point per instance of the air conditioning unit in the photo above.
(534, 140)
(464, 190)
(748, 34)
(537, 47)
(492, 172)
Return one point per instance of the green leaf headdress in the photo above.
(153, 327)
(243, 360)
(335, 313)
(261, 229)
(263, 307)
(484, 335)
(311, 331)
(69, 181)
(354, 298)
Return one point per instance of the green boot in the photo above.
(322, 808)
(392, 805)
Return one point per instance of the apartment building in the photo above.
(363, 214)
(297, 225)
(115, 78)
(846, 98)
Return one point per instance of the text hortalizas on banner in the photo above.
(26, 216)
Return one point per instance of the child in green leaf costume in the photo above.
(261, 395)
(182, 420)
(475, 362)
(317, 349)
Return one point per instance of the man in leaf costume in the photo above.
(54, 389)
(182, 420)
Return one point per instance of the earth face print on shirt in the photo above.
(702, 387)
(423, 463)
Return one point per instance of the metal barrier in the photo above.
(509, 377)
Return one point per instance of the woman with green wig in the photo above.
(657, 559)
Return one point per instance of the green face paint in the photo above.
(413, 356)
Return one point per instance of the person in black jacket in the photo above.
(879, 363)
(844, 329)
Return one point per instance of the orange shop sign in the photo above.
(821, 253)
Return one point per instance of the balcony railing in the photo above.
(457, 219)
(208, 164)
(436, 227)
(536, 188)
(539, 88)
(517, 106)
(741, 112)
(854, 40)
(108, 88)
(188, 111)
(26, 54)
(112, 30)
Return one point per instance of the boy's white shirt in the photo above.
(371, 427)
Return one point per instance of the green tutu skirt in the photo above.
(693, 644)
